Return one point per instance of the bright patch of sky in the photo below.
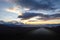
(6, 15)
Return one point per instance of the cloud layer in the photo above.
(36, 4)
(15, 9)
(39, 5)
(30, 15)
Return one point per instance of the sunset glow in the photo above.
(14, 10)
(56, 21)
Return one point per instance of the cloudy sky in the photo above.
(31, 11)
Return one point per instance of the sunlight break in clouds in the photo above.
(17, 10)
(14, 10)
(35, 21)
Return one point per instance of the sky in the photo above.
(30, 11)
(3, 13)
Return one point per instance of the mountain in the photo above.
(11, 24)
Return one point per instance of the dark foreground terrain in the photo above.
(23, 33)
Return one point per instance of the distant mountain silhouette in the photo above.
(12, 23)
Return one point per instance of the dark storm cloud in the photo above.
(36, 4)
(30, 15)
(56, 15)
